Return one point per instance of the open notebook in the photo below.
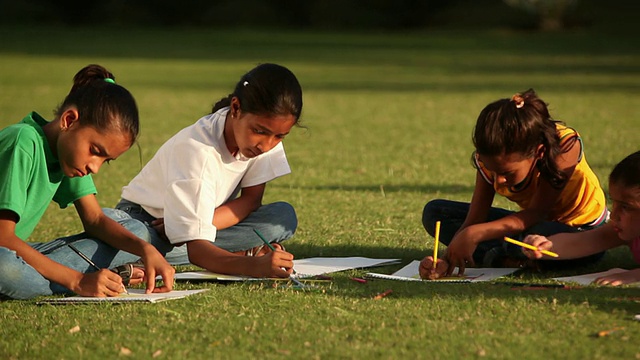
(135, 295)
(588, 279)
(304, 268)
(411, 273)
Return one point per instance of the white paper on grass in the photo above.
(304, 268)
(411, 273)
(135, 295)
(588, 279)
(325, 265)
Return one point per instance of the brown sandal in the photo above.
(126, 271)
(262, 250)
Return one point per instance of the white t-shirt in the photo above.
(193, 173)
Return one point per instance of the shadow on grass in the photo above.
(608, 300)
(605, 299)
(420, 188)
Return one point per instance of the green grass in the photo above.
(389, 120)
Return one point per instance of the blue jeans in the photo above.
(277, 222)
(488, 253)
(19, 280)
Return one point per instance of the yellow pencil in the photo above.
(530, 247)
(435, 246)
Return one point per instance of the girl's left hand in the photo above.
(460, 252)
(155, 264)
(538, 241)
(622, 278)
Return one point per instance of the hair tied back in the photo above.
(518, 100)
(110, 80)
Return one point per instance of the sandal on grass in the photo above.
(262, 249)
(126, 271)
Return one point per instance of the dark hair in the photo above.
(101, 103)
(627, 172)
(267, 90)
(519, 125)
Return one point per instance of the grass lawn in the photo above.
(388, 127)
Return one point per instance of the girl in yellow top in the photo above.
(532, 160)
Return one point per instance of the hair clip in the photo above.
(245, 83)
(110, 80)
(517, 98)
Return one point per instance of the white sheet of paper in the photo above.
(208, 275)
(587, 279)
(324, 265)
(304, 268)
(135, 295)
(411, 273)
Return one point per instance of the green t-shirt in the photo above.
(30, 175)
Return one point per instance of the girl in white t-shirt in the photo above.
(201, 194)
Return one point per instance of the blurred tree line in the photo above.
(301, 14)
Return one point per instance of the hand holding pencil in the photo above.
(431, 267)
(99, 283)
(279, 262)
(534, 246)
(427, 270)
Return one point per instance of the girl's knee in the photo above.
(137, 228)
(12, 267)
(434, 206)
(115, 214)
(286, 214)
(8, 261)
(430, 214)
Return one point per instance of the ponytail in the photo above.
(101, 103)
(520, 125)
(267, 90)
(222, 103)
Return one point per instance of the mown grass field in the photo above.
(388, 127)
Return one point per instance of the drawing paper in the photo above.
(135, 295)
(304, 268)
(587, 279)
(411, 273)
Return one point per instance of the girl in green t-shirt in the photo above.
(44, 161)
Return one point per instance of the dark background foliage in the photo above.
(305, 14)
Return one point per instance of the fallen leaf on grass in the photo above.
(125, 351)
(74, 329)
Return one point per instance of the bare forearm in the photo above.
(580, 244)
(208, 256)
(506, 226)
(102, 227)
(114, 234)
(233, 212)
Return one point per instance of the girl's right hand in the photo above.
(428, 272)
(540, 242)
(103, 283)
(275, 264)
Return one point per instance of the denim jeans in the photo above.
(452, 214)
(20, 280)
(276, 222)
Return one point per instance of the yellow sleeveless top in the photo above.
(582, 200)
